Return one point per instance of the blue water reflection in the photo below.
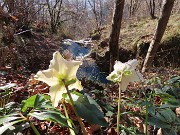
(89, 68)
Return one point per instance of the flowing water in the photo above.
(82, 50)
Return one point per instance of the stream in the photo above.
(82, 50)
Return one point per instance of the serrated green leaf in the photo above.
(168, 106)
(159, 117)
(38, 100)
(159, 124)
(168, 114)
(151, 109)
(89, 112)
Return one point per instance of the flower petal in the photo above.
(139, 76)
(56, 92)
(71, 70)
(133, 63)
(62, 66)
(113, 76)
(124, 82)
(76, 85)
(119, 66)
(47, 76)
(57, 63)
(135, 77)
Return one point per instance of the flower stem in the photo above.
(34, 128)
(119, 108)
(78, 118)
(67, 116)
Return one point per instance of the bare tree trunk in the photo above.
(161, 27)
(134, 5)
(151, 7)
(115, 32)
(95, 12)
(54, 12)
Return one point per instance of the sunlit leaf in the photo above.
(7, 119)
(36, 101)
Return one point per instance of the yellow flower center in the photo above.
(61, 79)
(127, 72)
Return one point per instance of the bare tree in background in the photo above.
(97, 9)
(115, 32)
(54, 9)
(161, 27)
(133, 7)
(151, 7)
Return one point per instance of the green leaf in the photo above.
(174, 79)
(172, 132)
(36, 101)
(160, 117)
(28, 103)
(159, 124)
(129, 130)
(163, 118)
(40, 101)
(89, 111)
(169, 115)
(151, 109)
(51, 115)
(171, 104)
(7, 125)
(75, 95)
(7, 119)
(92, 101)
(109, 114)
(169, 132)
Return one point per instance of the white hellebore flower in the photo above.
(60, 71)
(125, 73)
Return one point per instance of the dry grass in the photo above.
(134, 28)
